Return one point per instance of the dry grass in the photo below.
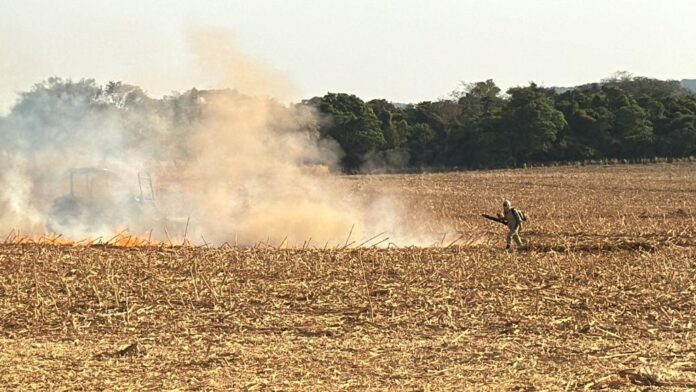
(603, 296)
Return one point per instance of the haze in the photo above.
(404, 51)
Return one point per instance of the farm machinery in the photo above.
(99, 202)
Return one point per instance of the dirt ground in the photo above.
(602, 296)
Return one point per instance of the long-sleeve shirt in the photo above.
(514, 220)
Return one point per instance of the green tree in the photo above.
(681, 139)
(478, 99)
(632, 130)
(476, 138)
(387, 113)
(419, 140)
(532, 122)
(353, 124)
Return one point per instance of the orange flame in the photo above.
(123, 239)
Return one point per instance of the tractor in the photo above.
(100, 203)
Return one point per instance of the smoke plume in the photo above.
(88, 161)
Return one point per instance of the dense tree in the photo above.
(387, 114)
(419, 140)
(477, 99)
(477, 139)
(681, 139)
(620, 117)
(532, 123)
(353, 124)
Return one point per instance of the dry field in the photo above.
(603, 296)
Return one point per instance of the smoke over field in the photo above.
(215, 165)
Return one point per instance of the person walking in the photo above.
(513, 219)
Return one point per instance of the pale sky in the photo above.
(404, 51)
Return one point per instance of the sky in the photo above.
(403, 51)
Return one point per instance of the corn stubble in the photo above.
(603, 295)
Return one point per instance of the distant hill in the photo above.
(689, 84)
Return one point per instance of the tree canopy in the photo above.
(479, 126)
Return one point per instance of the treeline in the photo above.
(478, 126)
(623, 117)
